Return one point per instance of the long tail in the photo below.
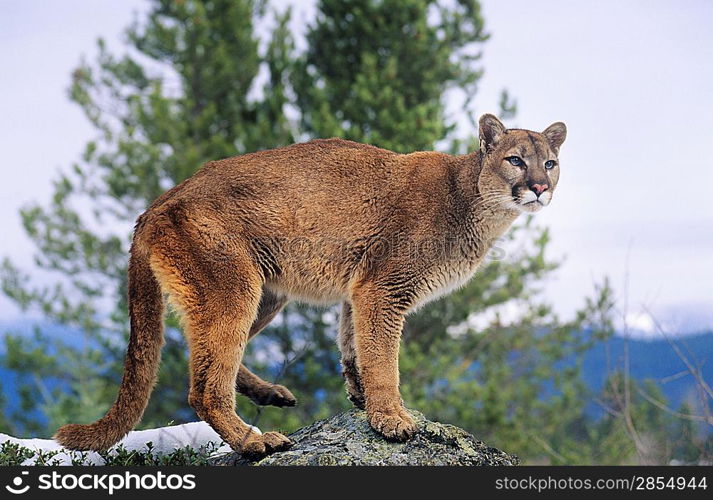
(140, 366)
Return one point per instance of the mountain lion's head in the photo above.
(520, 167)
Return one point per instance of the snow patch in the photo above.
(164, 440)
(640, 322)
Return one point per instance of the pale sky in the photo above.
(633, 81)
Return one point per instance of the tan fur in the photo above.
(326, 221)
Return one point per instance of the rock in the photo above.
(347, 439)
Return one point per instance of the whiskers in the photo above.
(492, 199)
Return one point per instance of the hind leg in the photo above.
(218, 343)
(350, 371)
(217, 346)
(258, 390)
(219, 299)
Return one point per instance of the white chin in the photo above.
(531, 208)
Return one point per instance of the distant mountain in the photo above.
(653, 359)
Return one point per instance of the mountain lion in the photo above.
(326, 221)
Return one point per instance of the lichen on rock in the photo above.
(347, 439)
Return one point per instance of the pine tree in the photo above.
(377, 71)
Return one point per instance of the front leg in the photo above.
(378, 323)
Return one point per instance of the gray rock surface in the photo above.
(347, 439)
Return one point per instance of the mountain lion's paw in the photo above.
(275, 395)
(259, 445)
(398, 426)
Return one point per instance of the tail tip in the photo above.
(84, 437)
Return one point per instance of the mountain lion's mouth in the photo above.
(534, 203)
(531, 206)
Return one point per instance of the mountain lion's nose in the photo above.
(538, 189)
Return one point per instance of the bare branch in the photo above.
(662, 406)
(695, 371)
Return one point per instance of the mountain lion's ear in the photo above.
(490, 130)
(556, 134)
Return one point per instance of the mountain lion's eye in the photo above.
(550, 164)
(515, 160)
